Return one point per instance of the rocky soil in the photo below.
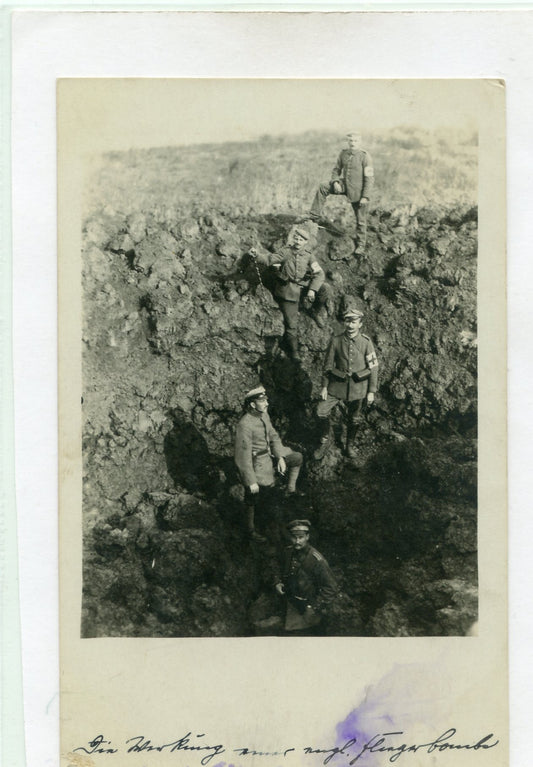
(178, 323)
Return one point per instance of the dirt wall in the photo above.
(177, 325)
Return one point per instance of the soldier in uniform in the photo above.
(350, 375)
(298, 271)
(305, 580)
(257, 447)
(353, 176)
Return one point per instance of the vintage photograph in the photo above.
(279, 361)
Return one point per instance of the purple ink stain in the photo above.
(363, 724)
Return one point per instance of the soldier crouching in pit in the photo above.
(298, 271)
(350, 375)
(257, 447)
(305, 581)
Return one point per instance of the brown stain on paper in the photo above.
(79, 760)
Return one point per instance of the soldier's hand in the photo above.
(311, 295)
(337, 187)
(363, 201)
(282, 466)
(324, 393)
(254, 489)
(370, 397)
(280, 588)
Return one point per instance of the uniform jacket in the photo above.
(345, 358)
(307, 578)
(355, 169)
(256, 442)
(298, 269)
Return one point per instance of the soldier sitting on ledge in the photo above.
(257, 448)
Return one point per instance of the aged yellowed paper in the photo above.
(174, 198)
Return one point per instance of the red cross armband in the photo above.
(371, 360)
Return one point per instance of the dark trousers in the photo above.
(360, 211)
(261, 507)
(265, 504)
(361, 215)
(291, 310)
(353, 415)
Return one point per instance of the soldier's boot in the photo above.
(294, 464)
(252, 533)
(322, 449)
(330, 307)
(351, 449)
(361, 224)
(292, 343)
(290, 490)
(320, 316)
(359, 242)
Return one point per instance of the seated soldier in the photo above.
(257, 448)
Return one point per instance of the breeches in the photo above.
(292, 460)
(361, 215)
(291, 309)
(354, 408)
(360, 211)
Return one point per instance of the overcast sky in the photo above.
(117, 114)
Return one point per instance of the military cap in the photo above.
(256, 393)
(299, 524)
(352, 313)
(353, 133)
(301, 231)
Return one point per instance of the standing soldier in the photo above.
(298, 271)
(257, 445)
(305, 580)
(350, 375)
(353, 176)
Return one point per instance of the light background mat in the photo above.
(193, 45)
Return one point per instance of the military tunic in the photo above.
(256, 442)
(354, 169)
(308, 581)
(298, 269)
(345, 357)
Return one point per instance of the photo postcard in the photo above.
(282, 422)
